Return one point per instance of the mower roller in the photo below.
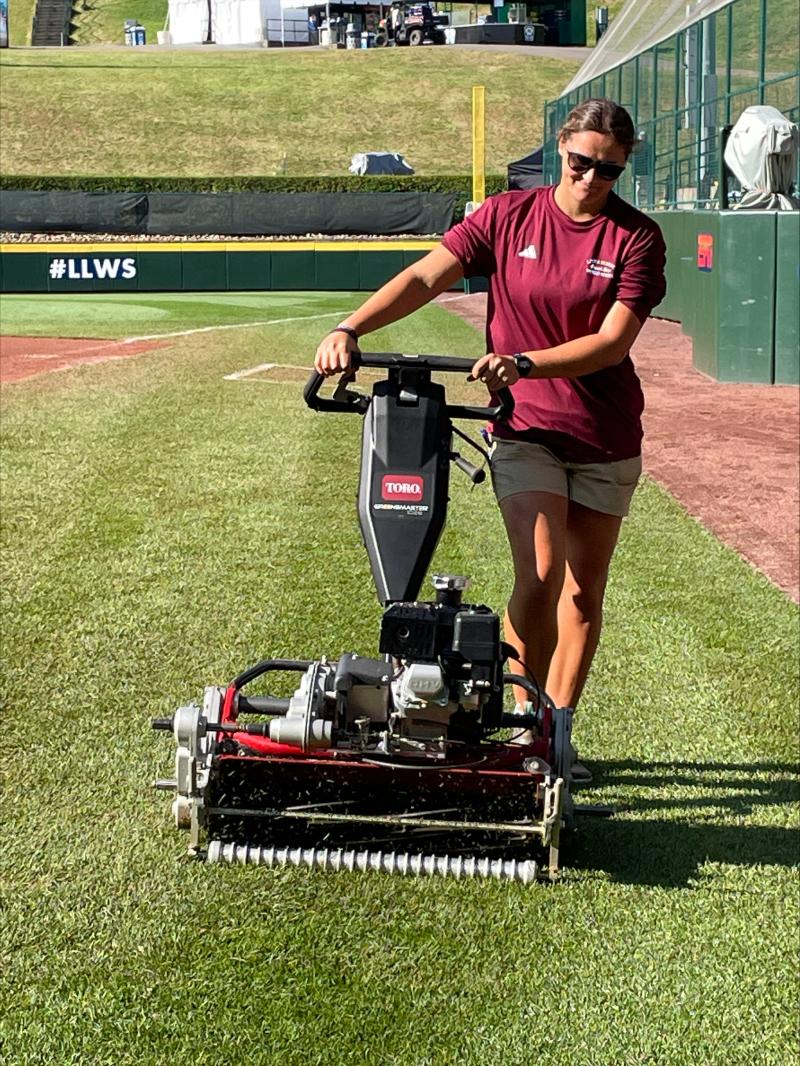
(389, 762)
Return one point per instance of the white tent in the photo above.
(240, 22)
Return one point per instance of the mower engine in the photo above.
(439, 685)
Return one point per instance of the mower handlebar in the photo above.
(348, 401)
(475, 473)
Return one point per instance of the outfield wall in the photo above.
(260, 266)
(733, 284)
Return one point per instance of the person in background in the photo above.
(574, 272)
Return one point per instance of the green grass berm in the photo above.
(152, 113)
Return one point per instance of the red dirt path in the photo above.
(27, 357)
(727, 453)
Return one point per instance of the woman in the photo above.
(574, 273)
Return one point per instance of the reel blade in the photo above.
(461, 867)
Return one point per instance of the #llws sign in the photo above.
(90, 269)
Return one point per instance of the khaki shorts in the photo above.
(519, 466)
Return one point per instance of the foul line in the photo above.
(235, 325)
(240, 375)
(252, 325)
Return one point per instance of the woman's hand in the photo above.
(495, 371)
(334, 353)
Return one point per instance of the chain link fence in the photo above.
(682, 94)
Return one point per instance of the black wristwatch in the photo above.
(524, 364)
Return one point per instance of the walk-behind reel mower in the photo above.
(389, 762)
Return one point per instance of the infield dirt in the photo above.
(27, 357)
(727, 453)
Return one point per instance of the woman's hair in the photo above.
(601, 116)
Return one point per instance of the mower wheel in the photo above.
(415, 38)
(380, 40)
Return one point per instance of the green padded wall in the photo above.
(341, 265)
(746, 296)
(742, 313)
(787, 299)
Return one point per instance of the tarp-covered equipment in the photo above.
(762, 155)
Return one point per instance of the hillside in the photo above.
(103, 21)
(20, 19)
(147, 112)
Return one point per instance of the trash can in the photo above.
(140, 36)
(353, 36)
(129, 36)
(534, 32)
(600, 22)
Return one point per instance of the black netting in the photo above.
(227, 214)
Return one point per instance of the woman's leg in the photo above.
(590, 541)
(536, 524)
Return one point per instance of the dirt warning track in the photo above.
(727, 453)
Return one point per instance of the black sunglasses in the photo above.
(581, 163)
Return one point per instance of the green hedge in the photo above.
(461, 185)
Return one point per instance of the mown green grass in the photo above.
(146, 112)
(162, 528)
(116, 315)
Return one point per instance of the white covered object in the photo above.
(379, 163)
(188, 21)
(242, 22)
(237, 22)
(762, 155)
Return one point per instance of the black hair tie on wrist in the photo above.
(348, 330)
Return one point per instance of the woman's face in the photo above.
(589, 189)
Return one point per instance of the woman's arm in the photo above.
(583, 355)
(409, 290)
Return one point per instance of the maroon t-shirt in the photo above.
(553, 280)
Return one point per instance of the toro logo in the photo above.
(402, 487)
